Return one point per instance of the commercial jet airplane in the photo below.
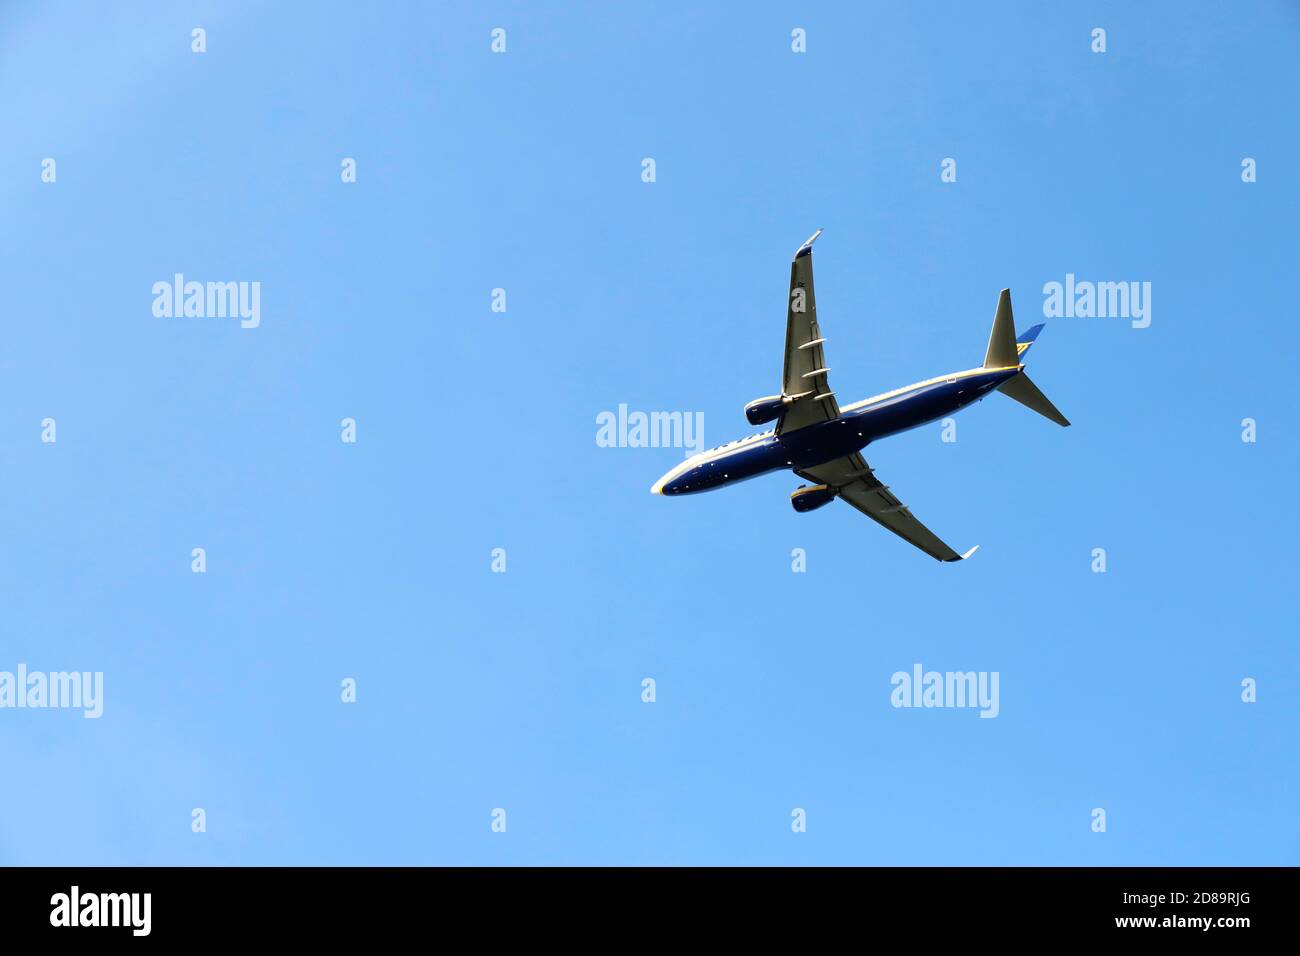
(822, 443)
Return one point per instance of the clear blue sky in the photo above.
(476, 430)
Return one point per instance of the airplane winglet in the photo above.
(970, 552)
(806, 248)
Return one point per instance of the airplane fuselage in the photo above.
(859, 424)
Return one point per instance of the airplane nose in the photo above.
(665, 485)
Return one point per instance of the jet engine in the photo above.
(762, 410)
(811, 497)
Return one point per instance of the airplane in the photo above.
(822, 443)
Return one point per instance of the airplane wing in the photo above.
(852, 477)
(805, 364)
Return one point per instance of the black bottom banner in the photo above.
(375, 905)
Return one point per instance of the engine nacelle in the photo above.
(811, 497)
(762, 410)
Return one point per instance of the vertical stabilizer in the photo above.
(1002, 352)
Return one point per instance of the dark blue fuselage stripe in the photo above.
(851, 432)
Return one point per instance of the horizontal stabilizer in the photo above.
(1027, 394)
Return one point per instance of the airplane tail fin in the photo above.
(1006, 350)
(1026, 339)
(1001, 352)
(1023, 390)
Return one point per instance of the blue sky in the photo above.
(476, 430)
